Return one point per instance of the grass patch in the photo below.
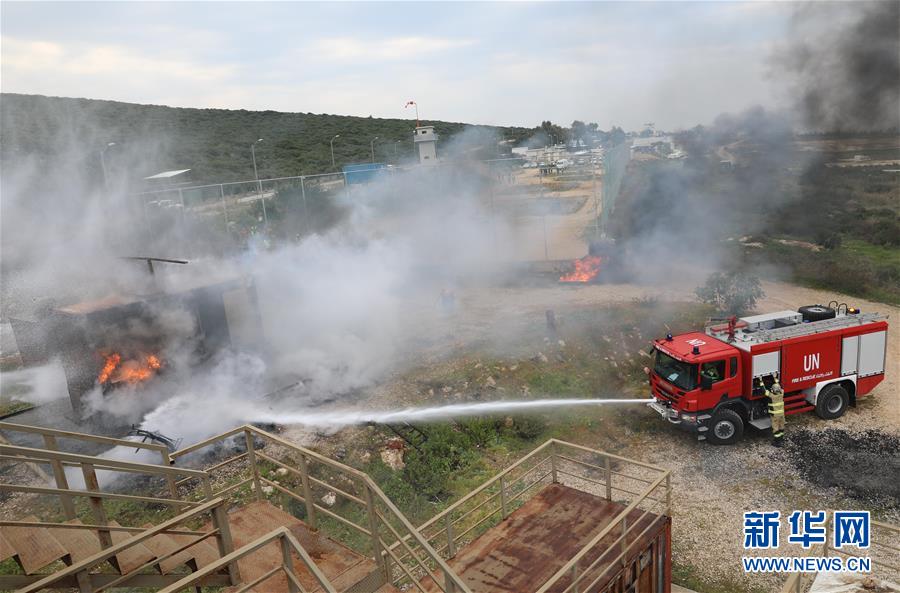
(881, 255)
(13, 406)
(856, 268)
(596, 354)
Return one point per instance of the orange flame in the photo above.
(112, 361)
(586, 269)
(130, 371)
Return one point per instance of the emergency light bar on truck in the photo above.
(714, 382)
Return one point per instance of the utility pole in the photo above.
(373, 148)
(336, 136)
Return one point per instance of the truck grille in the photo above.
(661, 391)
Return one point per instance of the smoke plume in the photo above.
(843, 65)
(338, 307)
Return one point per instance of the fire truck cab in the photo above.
(714, 382)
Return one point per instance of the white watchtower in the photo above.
(426, 141)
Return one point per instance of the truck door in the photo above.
(720, 378)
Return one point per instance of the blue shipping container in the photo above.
(363, 172)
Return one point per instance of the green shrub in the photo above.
(430, 467)
(732, 293)
(481, 431)
(829, 240)
(529, 427)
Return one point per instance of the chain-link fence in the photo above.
(543, 211)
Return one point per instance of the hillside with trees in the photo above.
(214, 143)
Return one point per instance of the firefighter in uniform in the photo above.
(776, 410)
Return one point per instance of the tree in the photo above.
(732, 293)
(579, 131)
(616, 136)
(559, 133)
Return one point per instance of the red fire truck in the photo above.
(714, 382)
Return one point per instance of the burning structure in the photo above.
(600, 264)
(586, 270)
(126, 340)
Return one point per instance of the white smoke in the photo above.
(337, 308)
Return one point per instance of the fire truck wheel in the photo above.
(832, 402)
(725, 428)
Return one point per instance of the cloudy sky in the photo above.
(674, 63)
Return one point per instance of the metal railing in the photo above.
(609, 476)
(358, 515)
(79, 575)
(288, 545)
(600, 560)
(79, 572)
(51, 438)
(88, 468)
(884, 556)
(348, 507)
(367, 521)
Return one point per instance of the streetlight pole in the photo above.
(373, 148)
(103, 164)
(336, 136)
(258, 182)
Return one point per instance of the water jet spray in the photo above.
(342, 418)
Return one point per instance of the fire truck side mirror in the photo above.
(706, 383)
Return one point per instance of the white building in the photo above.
(426, 141)
(662, 145)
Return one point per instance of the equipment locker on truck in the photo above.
(715, 382)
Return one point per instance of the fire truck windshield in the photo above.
(680, 374)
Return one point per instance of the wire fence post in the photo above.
(305, 206)
(546, 246)
(262, 198)
(224, 204)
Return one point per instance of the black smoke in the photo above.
(843, 62)
(671, 210)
